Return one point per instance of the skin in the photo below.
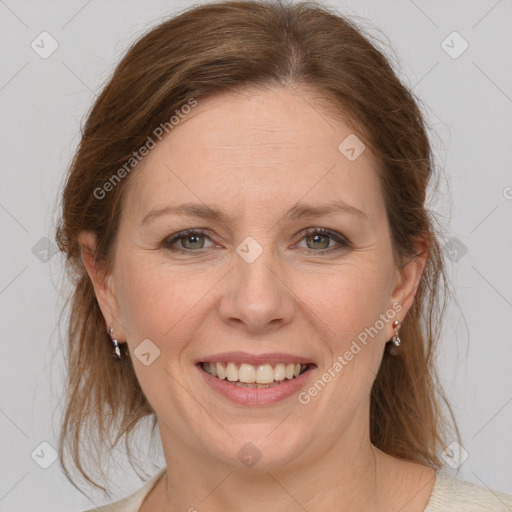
(255, 155)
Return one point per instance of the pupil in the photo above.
(316, 237)
(193, 238)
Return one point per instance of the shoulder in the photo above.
(455, 495)
(132, 502)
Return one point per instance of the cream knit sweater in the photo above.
(448, 495)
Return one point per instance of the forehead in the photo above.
(256, 149)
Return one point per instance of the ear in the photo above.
(408, 276)
(103, 284)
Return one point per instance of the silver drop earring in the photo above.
(396, 338)
(116, 353)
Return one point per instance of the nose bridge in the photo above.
(258, 295)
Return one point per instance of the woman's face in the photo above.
(254, 285)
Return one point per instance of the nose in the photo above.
(256, 295)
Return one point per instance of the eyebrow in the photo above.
(298, 211)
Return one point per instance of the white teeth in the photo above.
(264, 374)
(279, 372)
(221, 373)
(247, 373)
(260, 376)
(232, 372)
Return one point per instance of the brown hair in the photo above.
(226, 47)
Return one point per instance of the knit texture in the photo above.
(453, 495)
(449, 494)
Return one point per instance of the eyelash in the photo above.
(170, 241)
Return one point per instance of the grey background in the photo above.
(43, 101)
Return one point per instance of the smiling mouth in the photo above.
(259, 376)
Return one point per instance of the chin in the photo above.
(259, 447)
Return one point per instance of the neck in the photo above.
(347, 474)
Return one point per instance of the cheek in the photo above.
(161, 305)
(161, 302)
(347, 301)
(349, 307)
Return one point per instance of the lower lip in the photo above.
(255, 396)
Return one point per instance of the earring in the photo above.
(116, 353)
(396, 338)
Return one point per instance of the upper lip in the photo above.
(254, 359)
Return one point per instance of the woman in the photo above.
(245, 222)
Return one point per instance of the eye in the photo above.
(319, 240)
(188, 241)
